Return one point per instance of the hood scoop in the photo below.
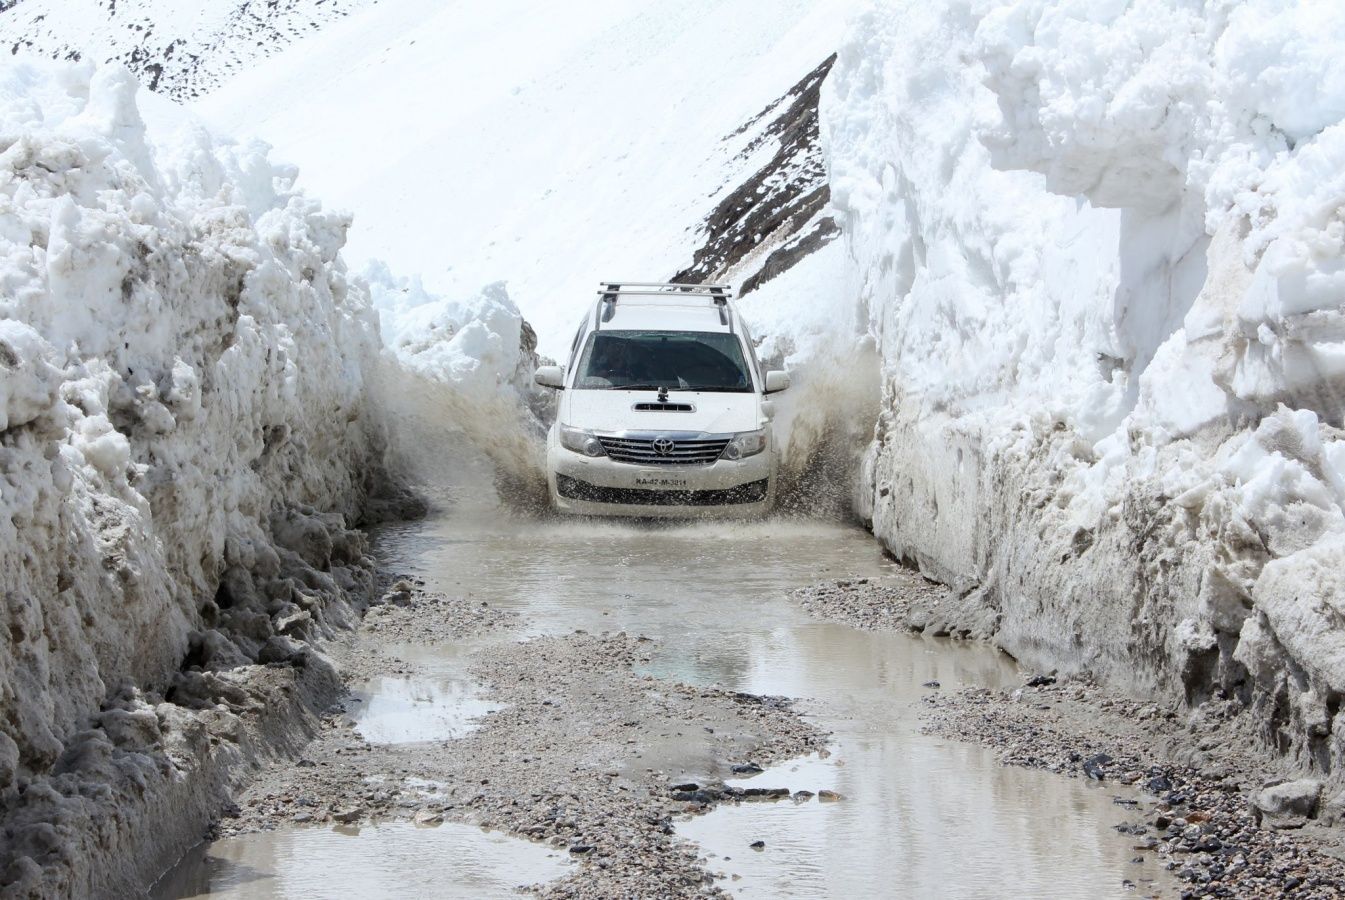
(663, 406)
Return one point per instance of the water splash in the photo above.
(824, 422)
(465, 446)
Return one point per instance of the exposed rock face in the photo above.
(180, 50)
(779, 212)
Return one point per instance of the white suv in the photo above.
(664, 410)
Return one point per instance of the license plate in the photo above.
(675, 483)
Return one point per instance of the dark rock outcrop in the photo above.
(774, 212)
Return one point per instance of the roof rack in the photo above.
(611, 290)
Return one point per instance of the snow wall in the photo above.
(1102, 248)
(190, 428)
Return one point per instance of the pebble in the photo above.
(1095, 766)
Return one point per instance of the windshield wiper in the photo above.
(639, 387)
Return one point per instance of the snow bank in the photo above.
(1102, 250)
(184, 441)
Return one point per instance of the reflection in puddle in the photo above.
(408, 710)
(914, 832)
(385, 861)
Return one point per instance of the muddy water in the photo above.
(371, 863)
(919, 816)
(438, 703)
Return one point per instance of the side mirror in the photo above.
(775, 382)
(550, 376)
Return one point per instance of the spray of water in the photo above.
(486, 449)
(468, 447)
(824, 423)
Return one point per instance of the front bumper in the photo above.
(581, 485)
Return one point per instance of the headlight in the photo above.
(580, 441)
(749, 443)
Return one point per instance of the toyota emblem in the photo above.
(664, 446)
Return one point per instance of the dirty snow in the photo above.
(178, 369)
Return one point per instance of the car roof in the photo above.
(630, 316)
(660, 306)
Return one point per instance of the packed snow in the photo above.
(174, 330)
(1101, 247)
(186, 430)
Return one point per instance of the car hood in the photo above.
(611, 411)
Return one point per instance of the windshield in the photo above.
(677, 360)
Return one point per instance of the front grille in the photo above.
(682, 453)
(574, 489)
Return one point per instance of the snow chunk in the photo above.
(1303, 598)
(31, 383)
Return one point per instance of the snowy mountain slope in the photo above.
(549, 147)
(180, 49)
(779, 212)
(1100, 246)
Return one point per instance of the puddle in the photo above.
(439, 703)
(371, 863)
(922, 829)
(921, 816)
(411, 710)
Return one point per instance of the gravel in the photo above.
(587, 755)
(883, 604)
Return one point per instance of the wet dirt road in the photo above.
(917, 816)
